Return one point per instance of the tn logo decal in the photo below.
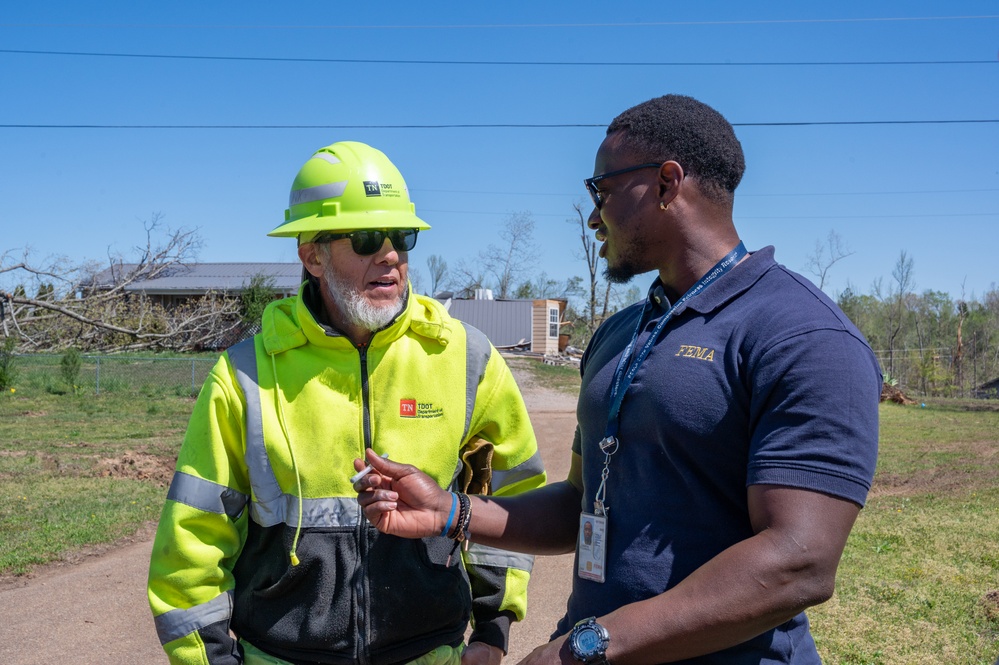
(411, 408)
(696, 352)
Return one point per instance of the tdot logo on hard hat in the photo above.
(371, 188)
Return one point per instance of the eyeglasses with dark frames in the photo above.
(369, 241)
(591, 183)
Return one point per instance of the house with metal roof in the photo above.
(183, 282)
(528, 325)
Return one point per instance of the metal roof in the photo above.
(504, 322)
(196, 278)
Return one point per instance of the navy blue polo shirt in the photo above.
(759, 379)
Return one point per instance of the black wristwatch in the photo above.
(588, 642)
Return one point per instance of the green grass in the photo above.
(919, 580)
(918, 583)
(43, 516)
(77, 471)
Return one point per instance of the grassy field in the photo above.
(919, 581)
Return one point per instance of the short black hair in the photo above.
(691, 133)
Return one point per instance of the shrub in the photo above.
(8, 364)
(69, 367)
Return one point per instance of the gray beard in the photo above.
(355, 309)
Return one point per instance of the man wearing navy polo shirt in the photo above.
(727, 427)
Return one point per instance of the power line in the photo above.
(941, 215)
(818, 123)
(944, 215)
(498, 63)
(741, 194)
(643, 24)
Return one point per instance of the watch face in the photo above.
(588, 641)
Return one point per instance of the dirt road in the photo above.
(95, 611)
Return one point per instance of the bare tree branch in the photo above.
(826, 256)
(102, 310)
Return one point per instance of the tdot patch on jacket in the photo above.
(411, 408)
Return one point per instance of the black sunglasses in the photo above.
(368, 242)
(591, 183)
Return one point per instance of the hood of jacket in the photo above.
(288, 323)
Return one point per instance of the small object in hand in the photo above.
(365, 471)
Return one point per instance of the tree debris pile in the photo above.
(71, 310)
(891, 393)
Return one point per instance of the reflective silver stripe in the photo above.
(327, 157)
(270, 505)
(481, 555)
(175, 624)
(532, 467)
(206, 495)
(318, 193)
(327, 512)
(477, 352)
(267, 494)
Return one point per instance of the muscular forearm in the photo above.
(751, 587)
(401, 500)
(542, 521)
(723, 603)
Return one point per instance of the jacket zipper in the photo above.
(363, 638)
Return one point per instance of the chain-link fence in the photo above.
(935, 373)
(99, 374)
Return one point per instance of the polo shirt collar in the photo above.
(730, 285)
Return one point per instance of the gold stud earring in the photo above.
(663, 206)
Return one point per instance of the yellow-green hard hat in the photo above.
(348, 186)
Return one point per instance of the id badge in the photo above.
(592, 547)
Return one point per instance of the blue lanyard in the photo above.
(622, 379)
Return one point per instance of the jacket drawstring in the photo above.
(291, 450)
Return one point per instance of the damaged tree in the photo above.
(97, 308)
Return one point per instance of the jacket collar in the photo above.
(291, 322)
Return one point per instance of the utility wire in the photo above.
(942, 215)
(819, 123)
(742, 195)
(643, 24)
(501, 63)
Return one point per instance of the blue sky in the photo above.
(931, 190)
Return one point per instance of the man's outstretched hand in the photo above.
(401, 500)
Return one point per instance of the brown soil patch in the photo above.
(990, 605)
(138, 466)
(984, 472)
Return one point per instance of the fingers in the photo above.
(378, 498)
(387, 467)
(479, 653)
(371, 481)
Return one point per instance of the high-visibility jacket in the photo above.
(262, 479)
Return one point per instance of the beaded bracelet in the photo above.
(461, 534)
(464, 519)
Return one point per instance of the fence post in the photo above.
(98, 381)
(192, 376)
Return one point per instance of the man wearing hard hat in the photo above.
(262, 554)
